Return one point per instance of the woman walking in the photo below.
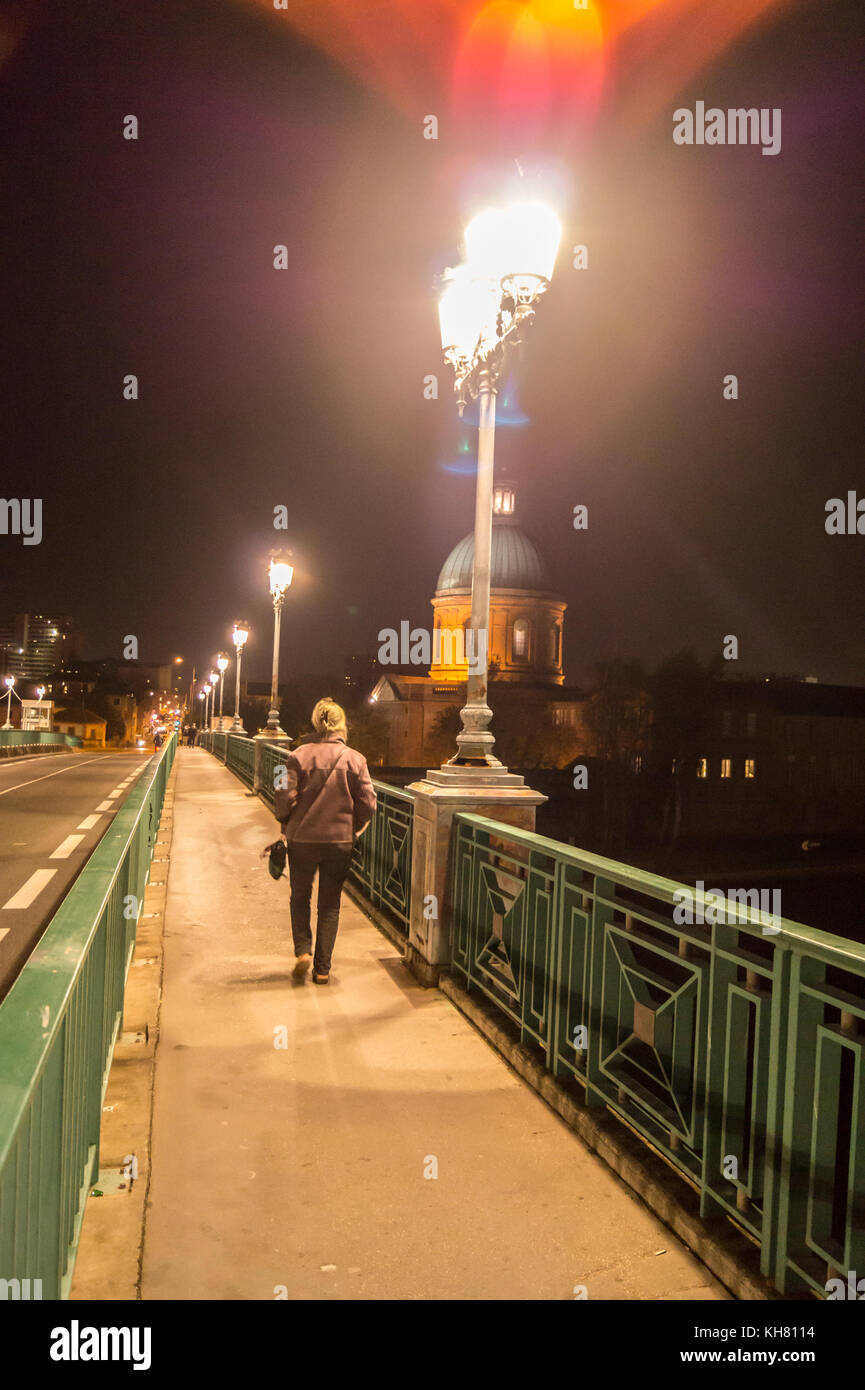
(327, 801)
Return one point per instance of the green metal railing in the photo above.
(382, 856)
(240, 757)
(737, 1053)
(17, 743)
(58, 1026)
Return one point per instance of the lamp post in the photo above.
(279, 575)
(213, 681)
(239, 635)
(222, 667)
(486, 307)
(202, 695)
(9, 683)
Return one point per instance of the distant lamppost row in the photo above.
(9, 682)
(487, 304)
(202, 695)
(221, 666)
(280, 575)
(239, 636)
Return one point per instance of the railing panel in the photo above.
(240, 757)
(386, 860)
(587, 958)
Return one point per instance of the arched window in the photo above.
(554, 644)
(521, 639)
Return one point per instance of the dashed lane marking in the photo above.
(105, 806)
(30, 890)
(65, 848)
(88, 823)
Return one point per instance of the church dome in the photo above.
(516, 563)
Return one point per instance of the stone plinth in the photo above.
(260, 742)
(441, 795)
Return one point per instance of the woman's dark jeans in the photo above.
(333, 863)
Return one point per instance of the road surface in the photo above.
(53, 813)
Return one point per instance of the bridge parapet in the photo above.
(732, 1047)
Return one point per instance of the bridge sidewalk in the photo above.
(294, 1125)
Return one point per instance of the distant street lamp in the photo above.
(280, 575)
(202, 695)
(485, 309)
(9, 682)
(213, 681)
(239, 636)
(222, 666)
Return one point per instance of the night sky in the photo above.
(304, 387)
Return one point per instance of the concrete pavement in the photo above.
(359, 1140)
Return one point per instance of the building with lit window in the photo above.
(780, 756)
(33, 646)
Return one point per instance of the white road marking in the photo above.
(30, 890)
(112, 796)
(105, 806)
(88, 822)
(70, 768)
(65, 848)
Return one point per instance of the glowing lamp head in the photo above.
(239, 635)
(280, 574)
(222, 662)
(40, 691)
(9, 681)
(515, 246)
(467, 312)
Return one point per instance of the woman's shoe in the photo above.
(301, 966)
(320, 979)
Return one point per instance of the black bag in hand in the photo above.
(276, 858)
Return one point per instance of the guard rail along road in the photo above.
(58, 1026)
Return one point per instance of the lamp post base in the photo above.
(468, 775)
(237, 726)
(272, 728)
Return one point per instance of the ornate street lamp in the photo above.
(280, 574)
(485, 309)
(239, 635)
(222, 663)
(212, 683)
(9, 683)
